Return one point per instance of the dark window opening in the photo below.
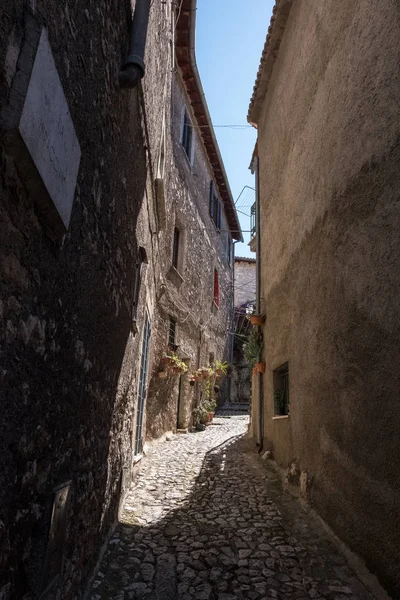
(172, 334)
(216, 289)
(187, 134)
(228, 248)
(281, 390)
(175, 250)
(215, 206)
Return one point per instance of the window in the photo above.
(175, 249)
(215, 206)
(142, 259)
(281, 390)
(228, 248)
(216, 289)
(187, 133)
(171, 334)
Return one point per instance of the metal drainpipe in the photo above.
(134, 68)
(258, 303)
(232, 331)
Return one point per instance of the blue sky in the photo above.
(230, 36)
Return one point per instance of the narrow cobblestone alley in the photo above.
(206, 520)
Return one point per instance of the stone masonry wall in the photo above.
(68, 353)
(201, 327)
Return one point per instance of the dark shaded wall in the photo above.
(66, 306)
(329, 150)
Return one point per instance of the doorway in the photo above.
(142, 385)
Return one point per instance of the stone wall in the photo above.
(329, 181)
(70, 331)
(68, 353)
(201, 327)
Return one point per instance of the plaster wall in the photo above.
(328, 139)
(245, 281)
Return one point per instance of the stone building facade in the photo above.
(245, 280)
(328, 155)
(245, 294)
(85, 258)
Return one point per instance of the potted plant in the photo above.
(221, 368)
(167, 359)
(252, 348)
(257, 319)
(210, 407)
(200, 417)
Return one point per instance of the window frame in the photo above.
(215, 206)
(172, 333)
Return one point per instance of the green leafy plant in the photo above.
(200, 414)
(221, 368)
(174, 363)
(253, 347)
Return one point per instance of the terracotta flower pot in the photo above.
(260, 367)
(257, 319)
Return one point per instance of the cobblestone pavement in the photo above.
(206, 520)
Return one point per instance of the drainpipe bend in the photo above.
(133, 70)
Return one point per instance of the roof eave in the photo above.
(186, 59)
(280, 15)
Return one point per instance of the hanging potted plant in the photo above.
(260, 367)
(221, 368)
(176, 365)
(167, 359)
(257, 319)
(253, 348)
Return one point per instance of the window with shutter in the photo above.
(211, 200)
(219, 214)
(187, 136)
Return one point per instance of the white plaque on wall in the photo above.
(48, 150)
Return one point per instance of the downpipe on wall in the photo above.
(260, 378)
(133, 70)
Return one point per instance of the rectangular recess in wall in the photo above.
(281, 390)
(56, 538)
